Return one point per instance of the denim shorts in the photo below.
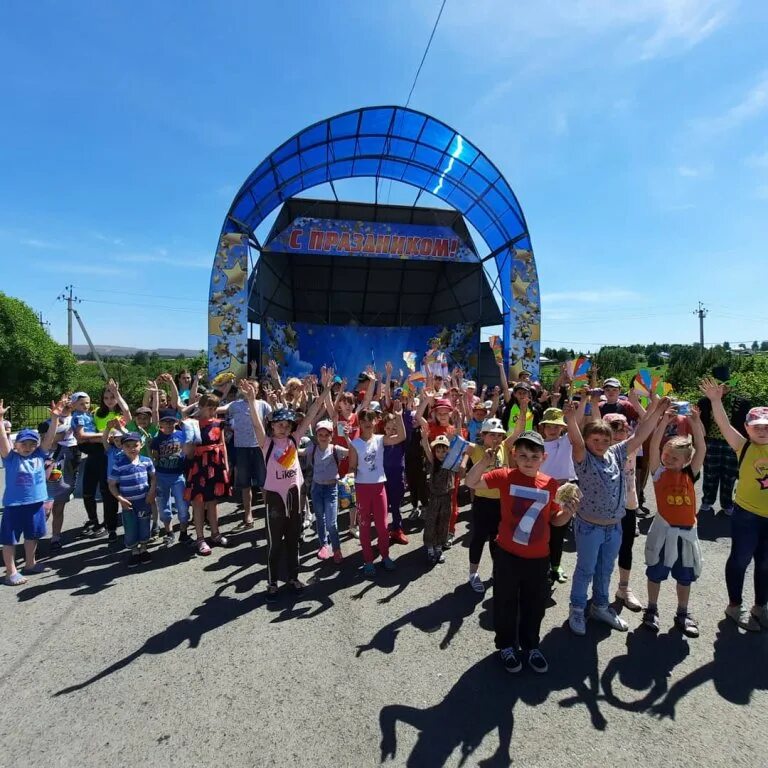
(683, 575)
(26, 519)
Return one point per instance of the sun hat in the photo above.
(553, 416)
(441, 440)
(131, 437)
(326, 424)
(758, 415)
(494, 426)
(144, 409)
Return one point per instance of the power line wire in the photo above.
(423, 58)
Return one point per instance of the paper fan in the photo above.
(578, 371)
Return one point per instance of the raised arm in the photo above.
(504, 383)
(57, 409)
(714, 393)
(699, 440)
(654, 449)
(520, 425)
(125, 410)
(314, 409)
(173, 395)
(634, 401)
(425, 446)
(646, 426)
(250, 396)
(574, 432)
(5, 443)
(274, 373)
(371, 374)
(399, 436)
(386, 393)
(474, 478)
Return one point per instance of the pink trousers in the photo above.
(372, 507)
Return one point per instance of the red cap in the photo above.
(443, 403)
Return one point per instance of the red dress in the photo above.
(207, 476)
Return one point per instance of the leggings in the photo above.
(628, 528)
(283, 532)
(395, 492)
(749, 541)
(95, 474)
(372, 507)
(486, 514)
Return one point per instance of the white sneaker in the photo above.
(606, 614)
(577, 621)
(169, 539)
(760, 614)
(743, 618)
(476, 583)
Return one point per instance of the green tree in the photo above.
(726, 345)
(755, 346)
(764, 346)
(33, 367)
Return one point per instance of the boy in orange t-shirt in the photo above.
(674, 468)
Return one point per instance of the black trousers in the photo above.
(95, 475)
(556, 539)
(416, 477)
(628, 528)
(520, 592)
(486, 514)
(284, 521)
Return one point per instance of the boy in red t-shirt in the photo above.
(521, 562)
(675, 468)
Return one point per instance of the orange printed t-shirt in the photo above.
(675, 496)
(527, 507)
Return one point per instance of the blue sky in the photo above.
(635, 135)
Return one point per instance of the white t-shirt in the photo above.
(370, 460)
(559, 461)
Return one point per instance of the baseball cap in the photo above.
(76, 396)
(375, 406)
(531, 437)
(441, 440)
(443, 403)
(28, 434)
(326, 424)
(755, 416)
(132, 437)
(465, 385)
(478, 403)
(493, 426)
(168, 414)
(144, 409)
(336, 380)
(553, 416)
(612, 382)
(522, 385)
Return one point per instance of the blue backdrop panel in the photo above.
(303, 348)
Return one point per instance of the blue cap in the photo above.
(337, 380)
(131, 437)
(28, 434)
(168, 414)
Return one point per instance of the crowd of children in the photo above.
(536, 465)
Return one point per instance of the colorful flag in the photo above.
(496, 346)
(578, 371)
(646, 384)
(409, 358)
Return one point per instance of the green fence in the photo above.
(27, 415)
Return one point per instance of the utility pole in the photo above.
(702, 313)
(70, 299)
(44, 324)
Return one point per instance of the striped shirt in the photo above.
(132, 477)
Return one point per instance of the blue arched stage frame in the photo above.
(384, 143)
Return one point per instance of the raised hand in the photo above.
(397, 408)
(388, 368)
(711, 389)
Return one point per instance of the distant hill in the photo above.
(81, 350)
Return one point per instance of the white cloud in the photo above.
(108, 239)
(161, 256)
(751, 105)
(693, 172)
(47, 245)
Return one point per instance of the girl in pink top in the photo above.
(284, 480)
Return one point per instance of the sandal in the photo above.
(203, 548)
(34, 569)
(14, 581)
(296, 585)
(219, 541)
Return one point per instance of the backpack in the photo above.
(271, 448)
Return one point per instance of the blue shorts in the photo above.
(660, 572)
(26, 519)
(250, 470)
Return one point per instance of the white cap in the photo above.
(375, 406)
(76, 396)
(493, 426)
(326, 424)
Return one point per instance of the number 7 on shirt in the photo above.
(539, 499)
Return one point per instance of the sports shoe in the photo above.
(98, 531)
(203, 548)
(153, 533)
(112, 537)
(396, 536)
(414, 514)
(88, 526)
(742, 617)
(510, 660)
(389, 564)
(55, 547)
(354, 531)
(133, 560)
(431, 557)
(705, 507)
(271, 593)
(577, 621)
(369, 569)
(537, 662)
(449, 541)
(651, 619)
(760, 614)
(558, 575)
(219, 541)
(324, 553)
(687, 624)
(337, 556)
(627, 598)
(476, 583)
(145, 557)
(439, 556)
(169, 539)
(727, 511)
(607, 615)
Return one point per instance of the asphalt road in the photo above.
(182, 663)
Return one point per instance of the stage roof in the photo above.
(394, 143)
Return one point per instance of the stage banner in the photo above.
(334, 237)
(303, 348)
(228, 308)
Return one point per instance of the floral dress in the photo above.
(207, 476)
